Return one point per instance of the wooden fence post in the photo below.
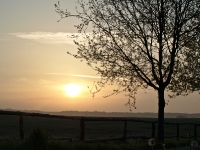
(82, 128)
(153, 130)
(177, 131)
(21, 127)
(195, 131)
(125, 130)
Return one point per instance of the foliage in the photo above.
(141, 44)
(190, 71)
(138, 44)
(38, 139)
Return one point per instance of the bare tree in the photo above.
(141, 44)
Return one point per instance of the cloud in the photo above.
(48, 37)
(38, 82)
(59, 74)
(21, 80)
(85, 76)
(75, 75)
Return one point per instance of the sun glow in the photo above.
(72, 89)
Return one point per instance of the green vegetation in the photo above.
(40, 133)
(61, 128)
(37, 139)
(140, 44)
(66, 145)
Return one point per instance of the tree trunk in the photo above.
(161, 106)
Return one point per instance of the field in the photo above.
(70, 129)
(62, 128)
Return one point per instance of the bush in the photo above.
(38, 139)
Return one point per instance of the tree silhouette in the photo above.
(141, 44)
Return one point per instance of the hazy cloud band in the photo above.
(75, 75)
(48, 37)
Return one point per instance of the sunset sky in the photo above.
(35, 68)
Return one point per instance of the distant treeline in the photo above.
(126, 114)
(116, 114)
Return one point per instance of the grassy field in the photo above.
(66, 145)
(9, 127)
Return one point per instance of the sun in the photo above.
(72, 89)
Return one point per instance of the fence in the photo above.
(96, 119)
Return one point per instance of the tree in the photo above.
(141, 44)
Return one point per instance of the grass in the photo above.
(65, 145)
(9, 127)
(35, 137)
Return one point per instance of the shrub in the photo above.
(38, 139)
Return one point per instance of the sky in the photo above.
(35, 67)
